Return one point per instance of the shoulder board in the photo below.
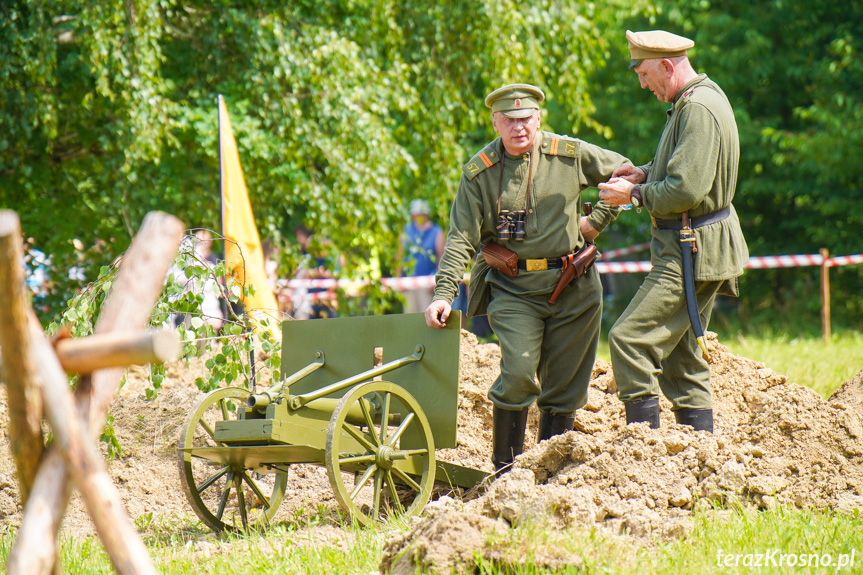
(554, 145)
(486, 158)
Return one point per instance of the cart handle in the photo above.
(260, 401)
(298, 401)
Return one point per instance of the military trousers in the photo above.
(552, 343)
(653, 347)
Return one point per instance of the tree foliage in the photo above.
(344, 110)
(792, 70)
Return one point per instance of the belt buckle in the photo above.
(535, 265)
(653, 221)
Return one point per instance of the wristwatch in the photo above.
(635, 196)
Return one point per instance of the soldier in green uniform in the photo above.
(692, 176)
(541, 176)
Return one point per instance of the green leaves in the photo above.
(342, 114)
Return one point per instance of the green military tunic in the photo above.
(695, 168)
(555, 342)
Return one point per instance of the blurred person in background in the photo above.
(420, 250)
(315, 302)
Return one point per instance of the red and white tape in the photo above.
(845, 260)
(622, 267)
(604, 267)
(793, 261)
(617, 252)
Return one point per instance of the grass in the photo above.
(722, 541)
(809, 361)
(727, 541)
(806, 360)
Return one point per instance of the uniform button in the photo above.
(545, 144)
(530, 211)
(492, 154)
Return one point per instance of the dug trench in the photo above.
(775, 443)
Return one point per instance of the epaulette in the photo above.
(486, 158)
(554, 145)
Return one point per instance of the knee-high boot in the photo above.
(699, 419)
(508, 436)
(643, 410)
(551, 425)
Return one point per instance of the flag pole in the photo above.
(220, 104)
(221, 180)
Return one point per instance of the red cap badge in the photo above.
(517, 103)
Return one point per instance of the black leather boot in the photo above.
(551, 425)
(643, 410)
(699, 419)
(508, 436)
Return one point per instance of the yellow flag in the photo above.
(245, 258)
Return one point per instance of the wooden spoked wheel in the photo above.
(226, 497)
(365, 458)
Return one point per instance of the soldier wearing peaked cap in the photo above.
(522, 191)
(698, 250)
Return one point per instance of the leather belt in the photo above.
(535, 265)
(695, 221)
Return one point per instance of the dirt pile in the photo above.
(775, 443)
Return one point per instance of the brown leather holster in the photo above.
(575, 266)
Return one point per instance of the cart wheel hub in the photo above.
(384, 457)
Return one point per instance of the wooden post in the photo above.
(85, 465)
(113, 349)
(23, 392)
(825, 295)
(127, 308)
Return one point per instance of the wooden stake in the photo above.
(22, 385)
(87, 354)
(126, 308)
(825, 295)
(85, 465)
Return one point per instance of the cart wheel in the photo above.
(226, 497)
(380, 487)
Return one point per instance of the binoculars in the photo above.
(510, 225)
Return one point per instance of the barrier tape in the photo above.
(617, 252)
(353, 287)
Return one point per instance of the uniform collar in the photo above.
(687, 89)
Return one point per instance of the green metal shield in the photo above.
(350, 346)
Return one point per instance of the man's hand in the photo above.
(587, 230)
(437, 313)
(630, 173)
(616, 191)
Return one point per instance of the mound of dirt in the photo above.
(775, 443)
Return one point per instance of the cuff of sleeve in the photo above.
(599, 220)
(646, 169)
(443, 297)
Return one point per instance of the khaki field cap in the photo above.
(655, 44)
(515, 100)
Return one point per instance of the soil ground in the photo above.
(775, 443)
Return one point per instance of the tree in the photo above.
(343, 111)
(792, 72)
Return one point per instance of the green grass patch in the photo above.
(810, 361)
(806, 360)
(722, 541)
